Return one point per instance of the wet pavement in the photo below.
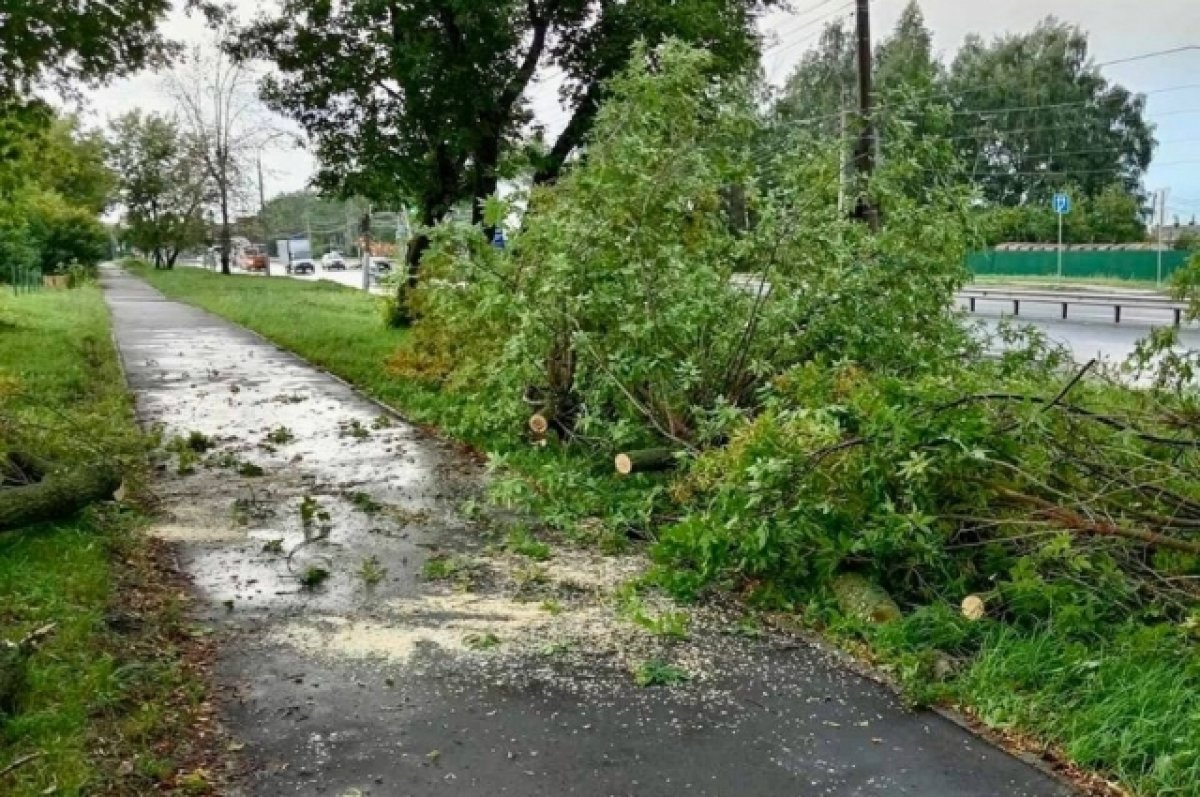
(429, 660)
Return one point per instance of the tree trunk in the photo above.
(570, 138)
(57, 496)
(645, 460)
(865, 600)
(226, 237)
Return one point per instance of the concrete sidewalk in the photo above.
(506, 677)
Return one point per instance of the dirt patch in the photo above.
(179, 748)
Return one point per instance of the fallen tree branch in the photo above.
(19, 762)
(1071, 520)
(645, 460)
(57, 496)
(1112, 423)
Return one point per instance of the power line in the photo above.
(809, 23)
(1155, 54)
(959, 93)
(781, 47)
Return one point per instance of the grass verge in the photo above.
(1068, 283)
(113, 700)
(1122, 700)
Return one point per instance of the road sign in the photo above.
(498, 240)
(1062, 204)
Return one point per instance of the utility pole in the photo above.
(1162, 217)
(864, 154)
(843, 150)
(262, 214)
(366, 245)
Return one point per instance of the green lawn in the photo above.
(1124, 701)
(90, 698)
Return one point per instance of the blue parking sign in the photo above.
(1062, 204)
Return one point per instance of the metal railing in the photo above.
(22, 279)
(1116, 301)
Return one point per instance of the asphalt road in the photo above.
(1090, 331)
(400, 684)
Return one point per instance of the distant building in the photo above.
(1173, 232)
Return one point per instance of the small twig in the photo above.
(1072, 520)
(1074, 381)
(18, 762)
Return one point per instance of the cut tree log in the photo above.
(645, 460)
(539, 424)
(863, 599)
(57, 496)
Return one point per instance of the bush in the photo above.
(613, 310)
(63, 234)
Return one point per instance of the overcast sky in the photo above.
(1118, 29)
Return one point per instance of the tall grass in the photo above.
(62, 396)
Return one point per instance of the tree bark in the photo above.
(226, 236)
(570, 138)
(645, 460)
(57, 496)
(864, 600)
(1072, 520)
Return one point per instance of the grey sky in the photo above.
(1117, 28)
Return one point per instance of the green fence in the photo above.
(1129, 265)
(21, 279)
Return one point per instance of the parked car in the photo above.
(333, 261)
(381, 265)
(301, 267)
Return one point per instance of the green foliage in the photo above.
(87, 42)
(1124, 705)
(459, 570)
(363, 502)
(371, 572)
(483, 641)
(1112, 216)
(162, 185)
(439, 90)
(1032, 116)
(522, 542)
(618, 296)
(659, 673)
(63, 402)
(63, 235)
(313, 577)
(842, 422)
(668, 623)
(1038, 116)
(53, 183)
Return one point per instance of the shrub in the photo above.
(63, 235)
(613, 311)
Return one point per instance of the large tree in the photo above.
(423, 99)
(825, 82)
(162, 185)
(219, 112)
(1034, 115)
(79, 41)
